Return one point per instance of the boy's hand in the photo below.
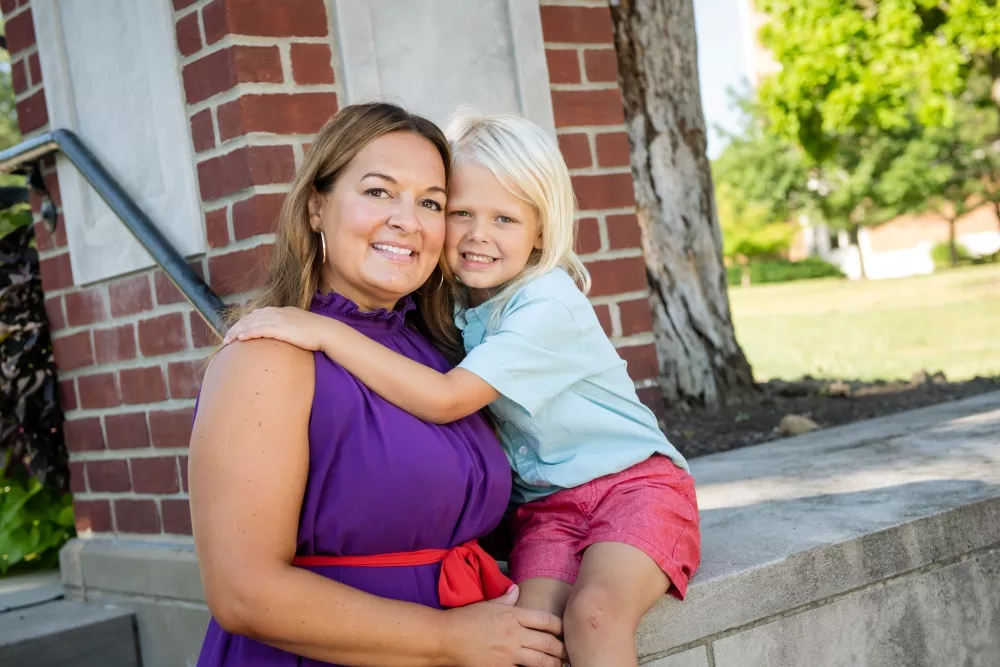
(292, 325)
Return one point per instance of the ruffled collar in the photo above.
(343, 309)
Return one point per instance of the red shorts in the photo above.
(650, 506)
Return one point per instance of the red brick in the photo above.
(44, 239)
(202, 131)
(143, 385)
(641, 360)
(126, 431)
(181, 4)
(54, 311)
(166, 291)
(604, 317)
(109, 476)
(222, 70)
(171, 428)
(99, 390)
(624, 231)
(604, 191)
(77, 477)
(589, 25)
(588, 236)
(264, 18)
(162, 335)
(202, 335)
(35, 69)
(176, 516)
(7, 6)
(188, 34)
(238, 271)
(217, 228)
(155, 475)
(652, 398)
(245, 167)
(575, 149)
(183, 464)
(32, 112)
(130, 296)
(83, 435)
(92, 515)
(20, 32)
(116, 344)
(601, 65)
(85, 307)
(613, 150)
(279, 113)
(256, 215)
(57, 272)
(587, 107)
(615, 276)
(564, 65)
(73, 351)
(312, 64)
(185, 377)
(19, 77)
(67, 395)
(636, 316)
(137, 516)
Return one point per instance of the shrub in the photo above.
(783, 270)
(35, 520)
(941, 256)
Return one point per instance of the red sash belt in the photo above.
(468, 574)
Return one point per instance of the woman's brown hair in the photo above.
(296, 261)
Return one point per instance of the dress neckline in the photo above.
(345, 310)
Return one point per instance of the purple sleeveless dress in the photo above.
(382, 481)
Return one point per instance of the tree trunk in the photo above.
(700, 360)
(856, 242)
(952, 248)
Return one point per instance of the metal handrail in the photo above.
(180, 273)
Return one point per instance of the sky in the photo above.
(722, 63)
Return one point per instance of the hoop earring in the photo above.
(440, 282)
(322, 243)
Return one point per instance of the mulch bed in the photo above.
(697, 432)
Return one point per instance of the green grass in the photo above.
(888, 329)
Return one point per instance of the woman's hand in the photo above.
(497, 634)
(292, 325)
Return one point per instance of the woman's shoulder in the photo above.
(266, 365)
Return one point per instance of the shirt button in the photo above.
(523, 450)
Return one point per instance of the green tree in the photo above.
(949, 170)
(853, 68)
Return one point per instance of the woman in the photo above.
(295, 464)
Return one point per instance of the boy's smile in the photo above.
(491, 232)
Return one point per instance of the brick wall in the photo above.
(258, 78)
(586, 101)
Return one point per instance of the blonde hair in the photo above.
(528, 163)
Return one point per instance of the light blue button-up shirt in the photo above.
(568, 412)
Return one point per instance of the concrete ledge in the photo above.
(899, 503)
(876, 543)
(157, 582)
(68, 633)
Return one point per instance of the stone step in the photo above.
(40, 629)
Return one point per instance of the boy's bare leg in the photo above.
(617, 585)
(544, 593)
